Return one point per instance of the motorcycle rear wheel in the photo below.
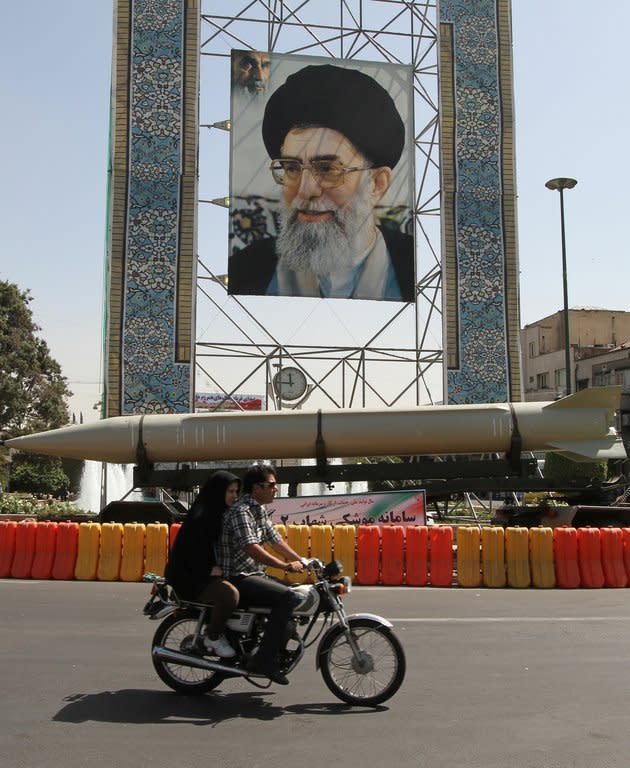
(372, 678)
(176, 633)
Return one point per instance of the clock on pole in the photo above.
(289, 383)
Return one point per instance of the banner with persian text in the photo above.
(383, 508)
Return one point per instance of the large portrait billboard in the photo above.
(321, 179)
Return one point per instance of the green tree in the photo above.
(33, 391)
(33, 473)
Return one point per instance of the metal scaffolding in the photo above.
(353, 353)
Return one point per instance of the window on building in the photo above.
(542, 381)
(532, 349)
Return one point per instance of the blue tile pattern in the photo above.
(483, 375)
(151, 379)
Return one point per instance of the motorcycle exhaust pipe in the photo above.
(187, 660)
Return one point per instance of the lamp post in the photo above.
(561, 185)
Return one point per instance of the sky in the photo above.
(571, 113)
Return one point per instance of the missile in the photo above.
(581, 426)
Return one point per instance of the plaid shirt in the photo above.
(245, 522)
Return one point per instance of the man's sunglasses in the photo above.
(267, 485)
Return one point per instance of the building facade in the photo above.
(600, 352)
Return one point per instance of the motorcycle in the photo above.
(360, 659)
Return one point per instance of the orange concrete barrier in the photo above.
(24, 549)
(66, 549)
(541, 557)
(469, 556)
(156, 548)
(45, 548)
(132, 562)
(110, 554)
(565, 555)
(612, 558)
(590, 558)
(86, 567)
(368, 544)
(441, 556)
(344, 548)
(417, 555)
(392, 554)
(493, 556)
(517, 557)
(8, 530)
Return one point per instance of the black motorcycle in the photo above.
(361, 660)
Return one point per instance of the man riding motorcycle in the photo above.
(246, 527)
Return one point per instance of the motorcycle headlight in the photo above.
(343, 586)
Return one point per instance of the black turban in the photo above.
(345, 100)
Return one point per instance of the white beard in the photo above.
(322, 247)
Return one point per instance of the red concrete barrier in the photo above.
(66, 551)
(417, 555)
(8, 529)
(368, 545)
(24, 549)
(441, 556)
(173, 530)
(590, 558)
(45, 543)
(565, 555)
(612, 557)
(392, 554)
(625, 537)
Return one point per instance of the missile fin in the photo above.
(593, 397)
(590, 450)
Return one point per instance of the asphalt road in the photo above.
(509, 678)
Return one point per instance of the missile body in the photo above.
(579, 426)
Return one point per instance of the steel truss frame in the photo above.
(360, 373)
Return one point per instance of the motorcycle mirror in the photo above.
(333, 569)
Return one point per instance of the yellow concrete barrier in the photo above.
(110, 554)
(469, 557)
(344, 543)
(89, 546)
(132, 563)
(493, 556)
(156, 548)
(517, 557)
(277, 573)
(298, 540)
(322, 542)
(541, 557)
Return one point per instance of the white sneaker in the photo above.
(219, 647)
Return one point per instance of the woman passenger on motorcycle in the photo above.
(192, 568)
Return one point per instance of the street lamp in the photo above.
(561, 185)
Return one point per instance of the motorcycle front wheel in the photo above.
(177, 633)
(369, 678)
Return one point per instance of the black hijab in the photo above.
(193, 554)
(209, 505)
